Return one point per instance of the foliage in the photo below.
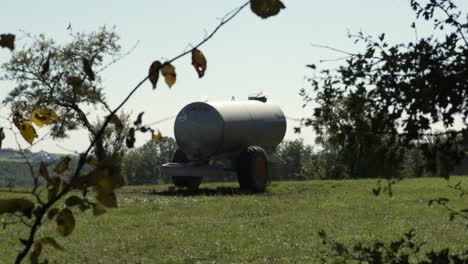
(53, 85)
(401, 251)
(301, 161)
(393, 95)
(142, 165)
(61, 77)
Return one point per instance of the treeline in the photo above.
(301, 162)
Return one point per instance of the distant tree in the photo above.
(298, 157)
(392, 95)
(63, 78)
(143, 165)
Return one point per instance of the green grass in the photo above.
(277, 227)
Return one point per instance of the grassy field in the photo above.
(219, 225)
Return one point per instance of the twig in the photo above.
(42, 210)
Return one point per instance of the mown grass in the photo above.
(223, 226)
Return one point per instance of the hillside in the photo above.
(14, 170)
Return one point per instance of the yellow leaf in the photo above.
(49, 241)
(199, 62)
(168, 71)
(42, 117)
(107, 177)
(156, 137)
(62, 165)
(43, 172)
(99, 209)
(153, 74)
(65, 222)
(16, 205)
(105, 190)
(53, 188)
(27, 130)
(266, 8)
(92, 161)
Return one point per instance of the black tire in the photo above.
(189, 182)
(252, 169)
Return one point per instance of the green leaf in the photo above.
(76, 201)
(65, 222)
(266, 8)
(11, 206)
(73, 201)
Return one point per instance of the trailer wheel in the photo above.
(252, 169)
(189, 182)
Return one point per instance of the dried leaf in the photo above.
(49, 241)
(2, 136)
(7, 41)
(46, 66)
(52, 213)
(92, 161)
(156, 137)
(266, 8)
(62, 165)
(168, 71)
(43, 172)
(53, 187)
(116, 121)
(42, 117)
(130, 140)
(65, 222)
(139, 119)
(154, 73)
(16, 205)
(199, 62)
(88, 69)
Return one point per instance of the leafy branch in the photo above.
(104, 176)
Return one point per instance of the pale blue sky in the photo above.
(248, 55)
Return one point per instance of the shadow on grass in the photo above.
(219, 191)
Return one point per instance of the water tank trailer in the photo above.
(218, 139)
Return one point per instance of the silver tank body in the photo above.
(206, 130)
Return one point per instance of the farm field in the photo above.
(219, 225)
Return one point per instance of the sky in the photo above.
(247, 55)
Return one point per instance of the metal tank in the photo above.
(204, 130)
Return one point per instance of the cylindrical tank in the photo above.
(207, 129)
